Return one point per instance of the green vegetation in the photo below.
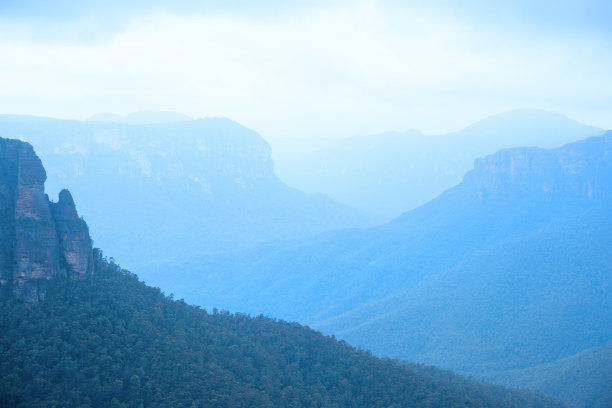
(112, 341)
(514, 279)
(582, 379)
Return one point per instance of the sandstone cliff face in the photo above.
(39, 240)
(581, 170)
(74, 240)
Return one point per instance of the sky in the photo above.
(318, 69)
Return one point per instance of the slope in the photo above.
(178, 189)
(393, 172)
(111, 341)
(327, 275)
(516, 304)
(582, 379)
(508, 270)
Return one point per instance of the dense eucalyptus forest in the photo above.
(110, 340)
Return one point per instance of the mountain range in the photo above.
(94, 335)
(179, 188)
(505, 276)
(505, 272)
(393, 172)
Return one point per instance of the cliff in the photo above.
(576, 171)
(39, 240)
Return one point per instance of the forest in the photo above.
(110, 340)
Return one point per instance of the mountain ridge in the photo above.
(165, 179)
(507, 270)
(393, 172)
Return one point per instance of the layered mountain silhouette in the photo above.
(501, 276)
(508, 270)
(99, 337)
(394, 172)
(158, 193)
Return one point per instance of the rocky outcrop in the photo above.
(39, 240)
(74, 240)
(581, 170)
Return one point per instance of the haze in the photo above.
(326, 70)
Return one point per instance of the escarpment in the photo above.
(39, 240)
(576, 171)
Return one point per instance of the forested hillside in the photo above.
(583, 379)
(112, 341)
(508, 270)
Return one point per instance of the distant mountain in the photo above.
(102, 338)
(141, 118)
(110, 341)
(508, 270)
(155, 194)
(394, 172)
(582, 379)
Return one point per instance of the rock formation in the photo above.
(39, 240)
(581, 170)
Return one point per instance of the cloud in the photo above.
(78, 21)
(342, 69)
(92, 21)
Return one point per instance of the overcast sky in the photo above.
(326, 69)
